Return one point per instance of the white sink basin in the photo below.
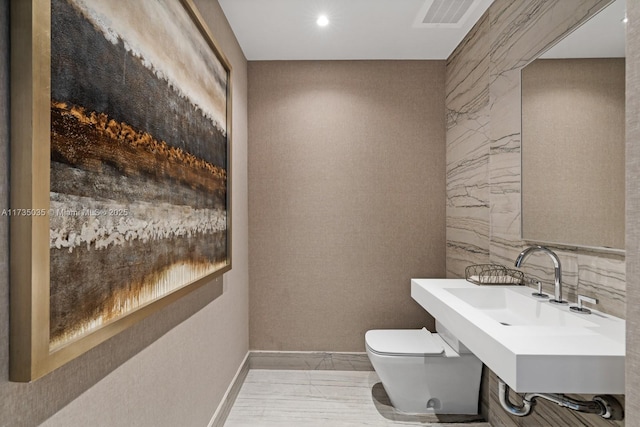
(510, 307)
(531, 344)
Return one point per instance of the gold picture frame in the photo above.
(58, 227)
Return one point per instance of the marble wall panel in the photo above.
(467, 86)
(512, 33)
(596, 270)
(467, 238)
(467, 152)
(504, 160)
(518, 32)
(521, 30)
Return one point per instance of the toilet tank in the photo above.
(450, 339)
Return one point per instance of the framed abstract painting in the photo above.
(120, 154)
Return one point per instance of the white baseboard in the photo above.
(310, 360)
(222, 412)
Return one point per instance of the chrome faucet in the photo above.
(557, 269)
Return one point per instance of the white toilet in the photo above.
(422, 373)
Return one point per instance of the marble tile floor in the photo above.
(306, 398)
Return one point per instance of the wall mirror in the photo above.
(573, 137)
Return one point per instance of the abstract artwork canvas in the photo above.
(138, 199)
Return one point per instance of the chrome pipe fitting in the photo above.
(606, 406)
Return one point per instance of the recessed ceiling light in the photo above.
(322, 21)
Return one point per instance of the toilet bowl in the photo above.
(423, 374)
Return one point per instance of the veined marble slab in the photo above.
(511, 34)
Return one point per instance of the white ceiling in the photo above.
(358, 29)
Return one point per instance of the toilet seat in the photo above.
(404, 342)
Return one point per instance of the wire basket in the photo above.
(493, 274)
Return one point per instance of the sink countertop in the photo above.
(584, 356)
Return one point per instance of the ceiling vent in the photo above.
(444, 13)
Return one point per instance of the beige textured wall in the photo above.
(172, 368)
(346, 198)
(633, 214)
(483, 170)
(573, 151)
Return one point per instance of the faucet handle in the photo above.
(581, 299)
(538, 294)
